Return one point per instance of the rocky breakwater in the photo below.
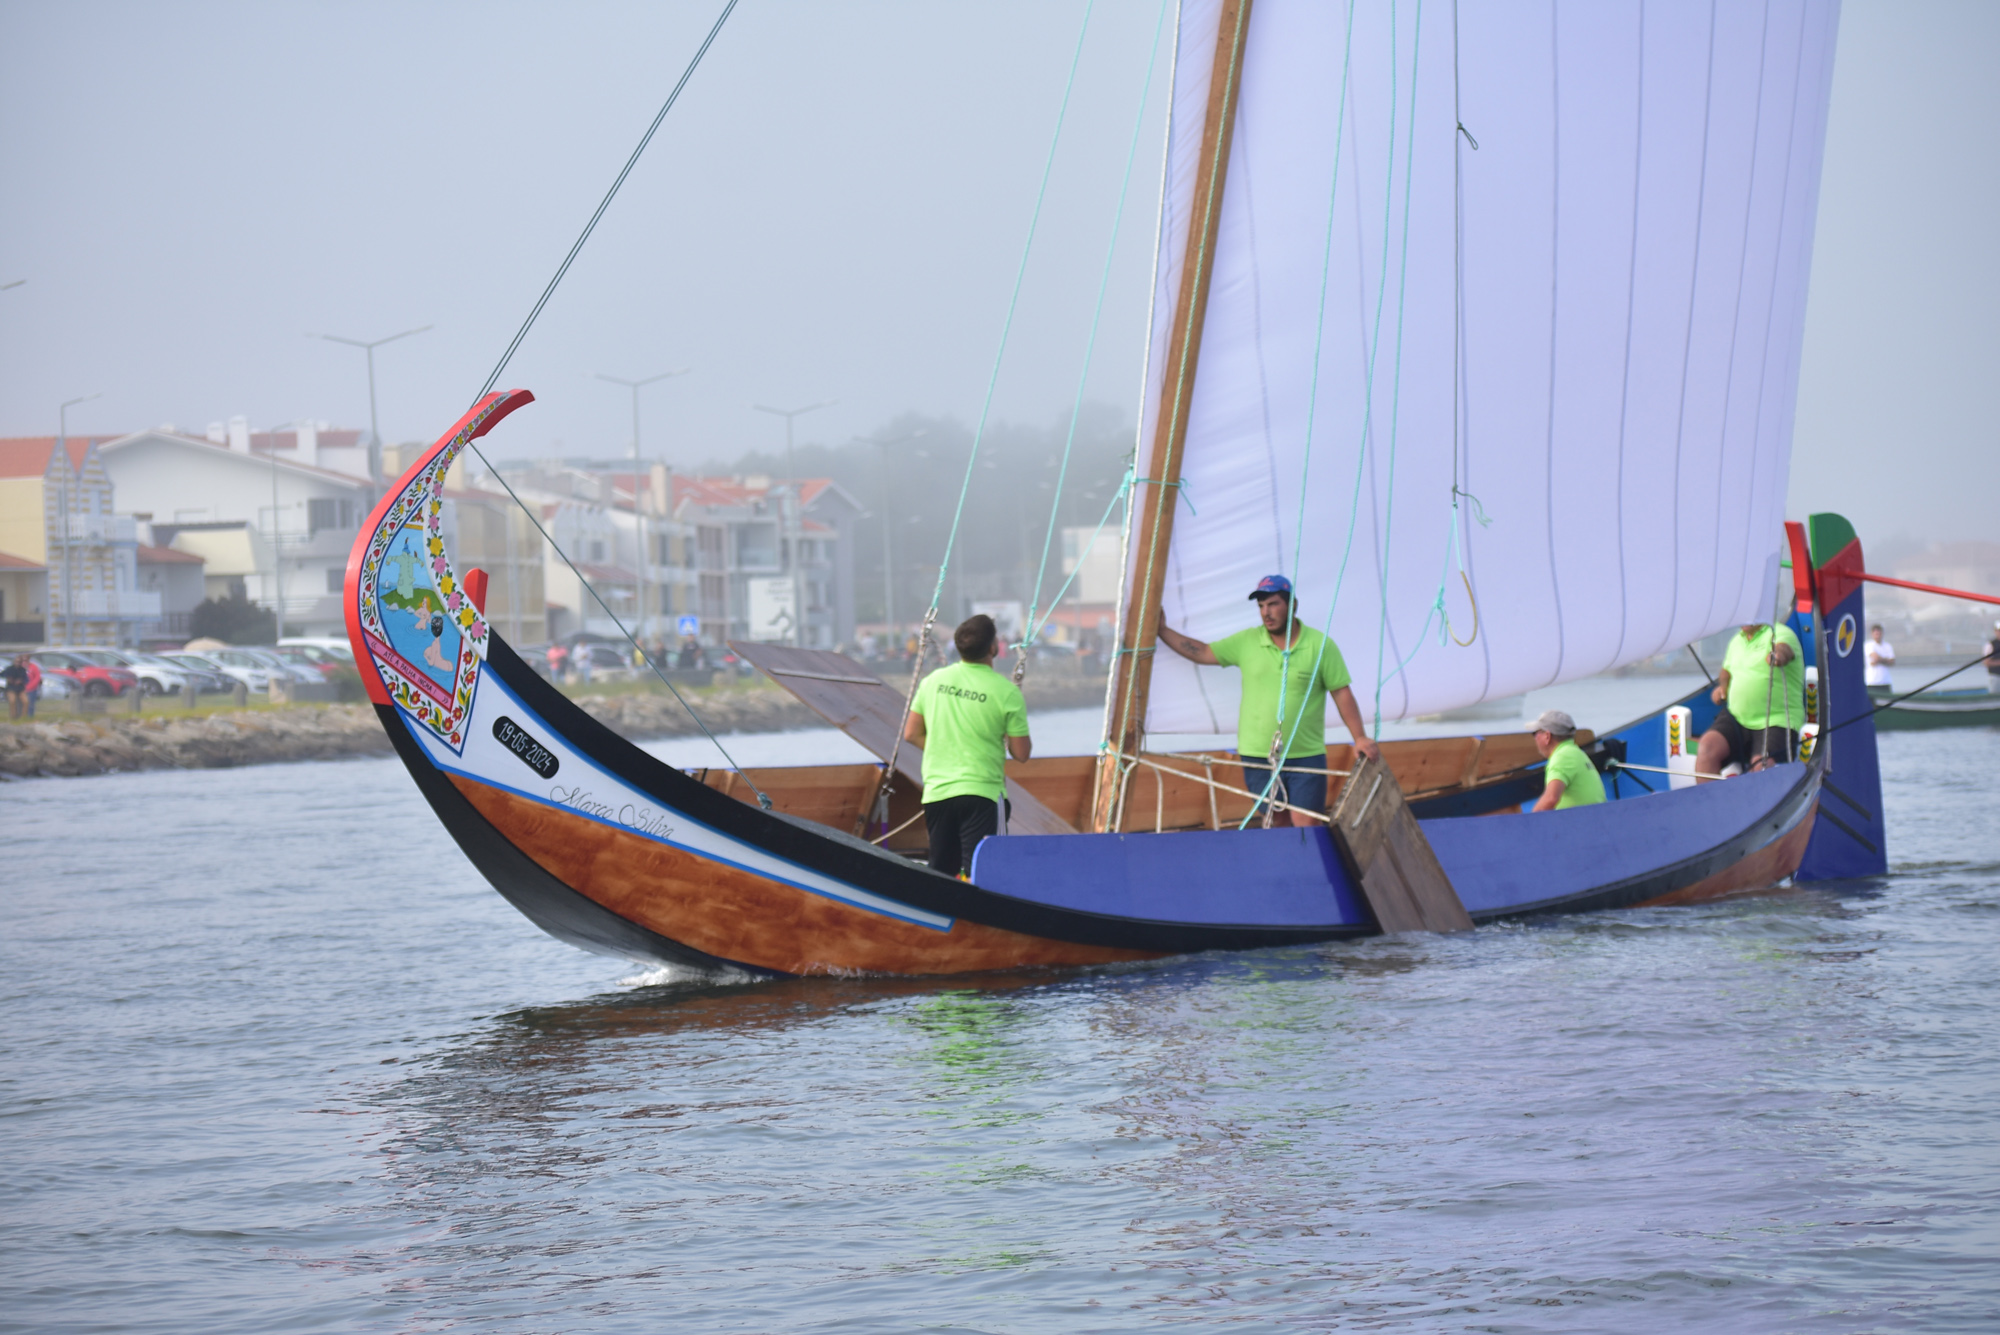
(108, 744)
(204, 741)
(111, 743)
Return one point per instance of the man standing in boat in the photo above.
(1301, 679)
(1762, 691)
(963, 716)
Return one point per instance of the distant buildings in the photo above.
(747, 558)
(115, 540)
(272, 514)
(71, 563)
(768, 556)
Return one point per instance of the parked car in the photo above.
(280, 666)
(329, 644)
(94, 679)
(237, 667)
(322, 663)
(156, 676)
(209, 678)
(607, 662)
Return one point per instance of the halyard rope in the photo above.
(763, 798)
(1031, 631)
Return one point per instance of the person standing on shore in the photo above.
(1881, 661)
(968, 719)
(14, 677)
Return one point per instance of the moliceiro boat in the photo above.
(1508, 414)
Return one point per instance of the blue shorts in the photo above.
(1294, 788)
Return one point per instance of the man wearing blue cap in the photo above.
(1298, 682)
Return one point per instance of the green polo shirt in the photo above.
(1582, 786)
(1754, 699)
(1304, 684)
(969, 711)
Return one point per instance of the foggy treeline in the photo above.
(910, 482)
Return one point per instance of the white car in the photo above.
(237, 666)
(339, 648)
(280, 667)
(156, 675)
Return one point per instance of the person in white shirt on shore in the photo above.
(1881, 661)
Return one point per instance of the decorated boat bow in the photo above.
(420, 637)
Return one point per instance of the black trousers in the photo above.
(956, 826)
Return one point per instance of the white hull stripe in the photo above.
(580, 786)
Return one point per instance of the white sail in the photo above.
(1637, 227)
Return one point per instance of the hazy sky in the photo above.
(835, 210)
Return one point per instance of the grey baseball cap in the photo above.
(1555, 723)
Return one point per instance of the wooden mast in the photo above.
(1156, 491)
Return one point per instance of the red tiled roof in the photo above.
(731, 491)
(167, 556)
(28, 456)
(11, 562)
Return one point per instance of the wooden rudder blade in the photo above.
(1401, 878)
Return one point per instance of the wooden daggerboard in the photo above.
(852, 699)
(1400, 876)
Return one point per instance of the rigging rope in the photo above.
(609, 195)
(1122, 710)
(1013, 302)
(1031, 631)
(985, 410)
(500, 367)
(1368, 389)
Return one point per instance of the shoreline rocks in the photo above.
(107, 744)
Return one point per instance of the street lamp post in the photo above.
(277, 544)
(374, 430)
(794, 521)
(62, 508)
(888, 560)
(638, 510)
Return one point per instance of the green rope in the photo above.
(1368, 389)
(1396, 375)
(1312, 401)
(1090, 348)
(1034, 628)
(1013, 302)
(1122, 711)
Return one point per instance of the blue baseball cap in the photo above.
(1271, 584)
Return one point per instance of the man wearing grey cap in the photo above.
(1571, 780)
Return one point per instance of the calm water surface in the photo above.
(276, 1059)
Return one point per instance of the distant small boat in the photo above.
(1971, 708)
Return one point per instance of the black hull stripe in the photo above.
(545, 901)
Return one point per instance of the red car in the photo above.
(89, 678)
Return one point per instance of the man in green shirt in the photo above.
(1569, 779)
(1300, 681)
(962, 717)
(1762, 691)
